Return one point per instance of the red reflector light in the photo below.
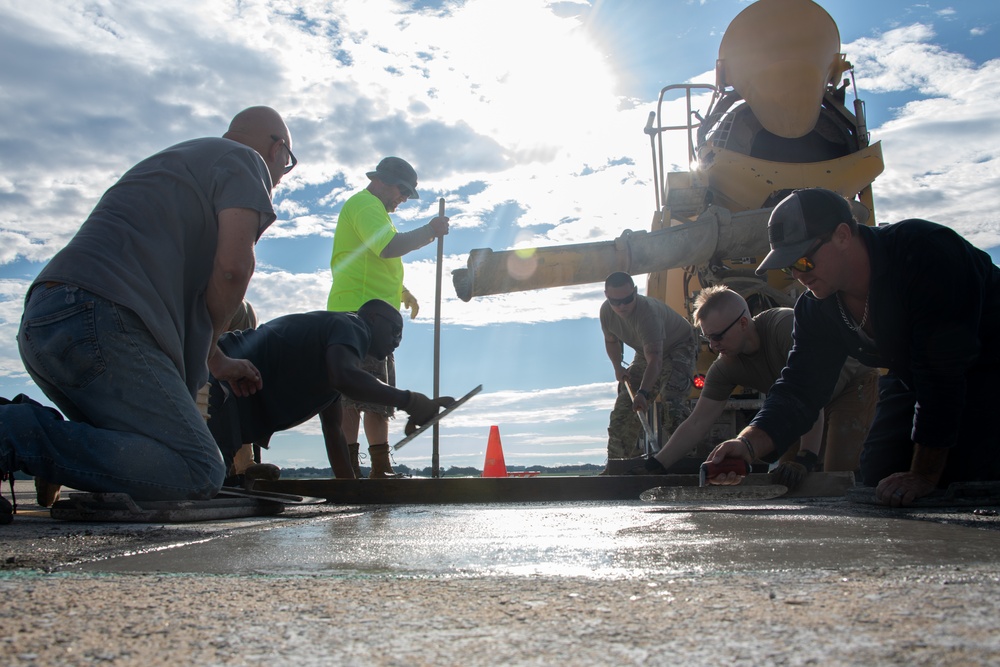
(699, 381)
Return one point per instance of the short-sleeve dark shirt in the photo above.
(290, 353)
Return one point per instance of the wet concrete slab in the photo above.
(791, 582)
(597, 540)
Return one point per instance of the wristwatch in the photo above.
(644, 392)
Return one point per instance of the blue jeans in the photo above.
(134, 426)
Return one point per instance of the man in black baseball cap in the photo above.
(799, 221)
(914, 298)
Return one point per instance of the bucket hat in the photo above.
(397, 171)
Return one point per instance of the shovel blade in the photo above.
(284, 498)
(711, 494)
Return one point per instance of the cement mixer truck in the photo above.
(777, 119)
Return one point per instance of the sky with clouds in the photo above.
(525, 115)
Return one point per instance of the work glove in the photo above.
(422, 409)
(410, 301)
(791, 473)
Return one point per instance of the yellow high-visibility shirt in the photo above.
(363, 230)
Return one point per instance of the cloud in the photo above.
(11, 305)
(942, 156)
(137, 78)
(105, 85)
(301, 225)
(277, 293)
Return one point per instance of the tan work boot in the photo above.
(381, 467)
(46, 493)
(353, 449)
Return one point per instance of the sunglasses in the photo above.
(625, 300)
(716, 337)
(291, 156)
(805, 264)
(405, 190)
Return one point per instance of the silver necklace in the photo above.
(847, 320)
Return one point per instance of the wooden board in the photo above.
(445, 490)
(119, 507)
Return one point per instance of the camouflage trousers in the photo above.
(671, 391)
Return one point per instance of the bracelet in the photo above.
(746, 441)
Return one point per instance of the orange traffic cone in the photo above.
(494, 466)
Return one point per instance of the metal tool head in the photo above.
(711, 494)
(436, 418)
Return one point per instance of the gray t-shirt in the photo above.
(760, 370)
(651, 320)
(149, 245)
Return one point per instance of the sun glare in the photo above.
(544, 83)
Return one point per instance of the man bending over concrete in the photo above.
(307, 362)
(752, 352)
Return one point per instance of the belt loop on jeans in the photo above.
(45, 285)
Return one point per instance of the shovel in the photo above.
(652, 442)
(435, 451)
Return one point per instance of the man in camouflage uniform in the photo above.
(666, 349)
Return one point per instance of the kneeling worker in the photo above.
(913, 297)
(752, 352)
(307, 361)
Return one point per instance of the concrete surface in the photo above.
(787, 583)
